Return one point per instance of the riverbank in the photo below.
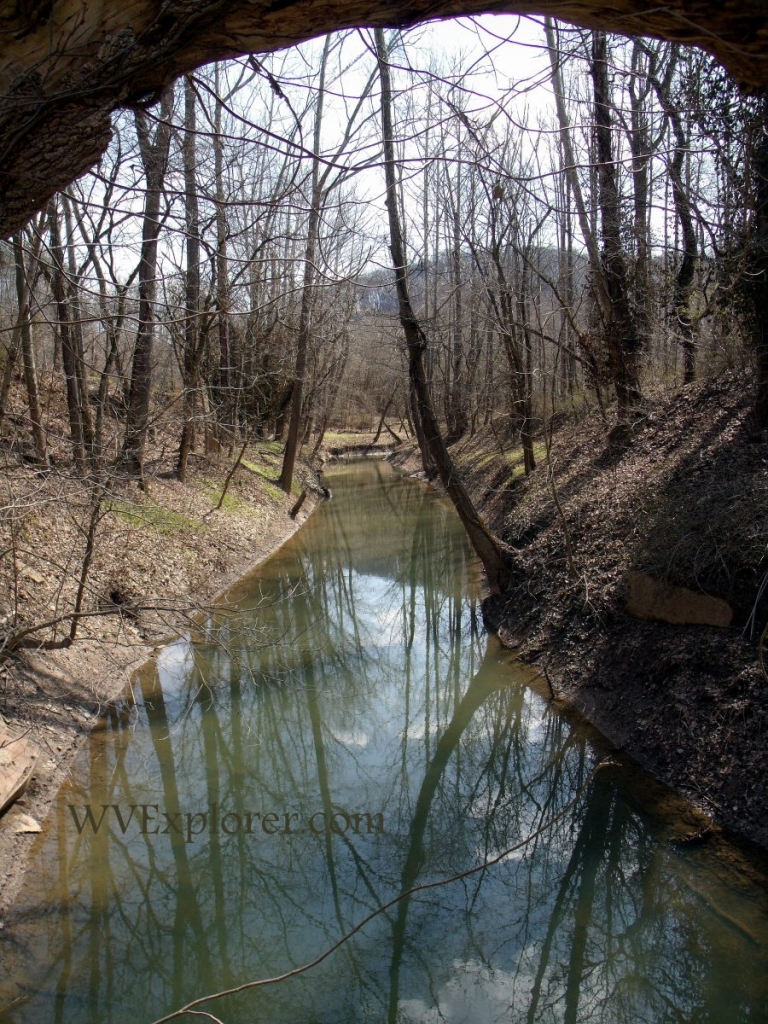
(681, 501)
(160, 557)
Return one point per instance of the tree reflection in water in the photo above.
(352, 677)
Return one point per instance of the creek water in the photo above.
(343, 732)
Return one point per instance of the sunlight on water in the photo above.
(342, 733)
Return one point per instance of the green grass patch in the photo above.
(265, 457)
(232, 501)
(151, 516)
(272, 491)
(513, 457)
(272, 448)
(266, 483)
(264, 453)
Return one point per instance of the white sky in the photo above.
(504, 60)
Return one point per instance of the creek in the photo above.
(342, 732)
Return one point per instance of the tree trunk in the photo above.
(192, 347)
(68, 355)
(383, 417)
(76, 314)
(307, 292)
(222, 270)
(621, 336)
(458, 420)
(686, 271)
(495, 557)
(526, 429)
(23, 293)
(154, 155)
(599, 287)
(639, 88)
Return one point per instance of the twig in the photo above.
(751, 621)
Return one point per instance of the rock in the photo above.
(649, 598)
(18, 756)
(24, 824)
(30, 573)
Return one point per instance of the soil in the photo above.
(682, 495)
(162, 555)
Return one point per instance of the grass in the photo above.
(272, 491)
(266, 483)
(269, 451)
(232, 502)
(152, 516)
(480, 460)
(272, 452)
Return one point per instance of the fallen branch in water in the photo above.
(21, 637)
(295, 510)
(191, 1008)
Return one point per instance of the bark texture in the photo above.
(66, 65)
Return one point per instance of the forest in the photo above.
(574, 237)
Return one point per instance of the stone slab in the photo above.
(18, 757)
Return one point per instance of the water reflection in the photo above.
(351, 687)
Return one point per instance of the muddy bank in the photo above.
(162, 558)
(684, 499)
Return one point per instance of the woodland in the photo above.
(570, 240)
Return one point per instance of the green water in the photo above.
(345, 733)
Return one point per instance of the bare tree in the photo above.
(25, 273)
(493, 554)
(193, 336)
(154, 149)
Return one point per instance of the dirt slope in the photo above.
(684, 499)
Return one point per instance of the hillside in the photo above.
(684, 501)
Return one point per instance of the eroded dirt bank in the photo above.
(684, 499)
(160, 557)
